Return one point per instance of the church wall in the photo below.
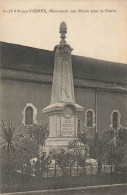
(16, 94)
(107, 102)
(86, 98)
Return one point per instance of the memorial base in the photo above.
(54, 144)
(62, 125)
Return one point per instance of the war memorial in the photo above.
(63, 110)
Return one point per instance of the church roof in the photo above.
(24, 58)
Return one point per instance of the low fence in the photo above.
(53, 179)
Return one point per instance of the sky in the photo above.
(100, 31)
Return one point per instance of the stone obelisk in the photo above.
(63, 110)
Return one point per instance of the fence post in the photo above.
(77, 169)
(104, 173)
(104, 168)
(77, 174)
(91, 172)
(47, 176)
(111, 172)
(84, 173)
(98, 176)
(22, 175)
(70, 170)
(55, 174)
(47, 171)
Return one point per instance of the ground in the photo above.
(116, 189)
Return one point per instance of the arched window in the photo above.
(90, 118)
(115, 119)
(29, 116)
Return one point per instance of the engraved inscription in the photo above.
(67, 126)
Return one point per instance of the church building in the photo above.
(40, 86)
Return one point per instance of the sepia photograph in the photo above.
(63, 97)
